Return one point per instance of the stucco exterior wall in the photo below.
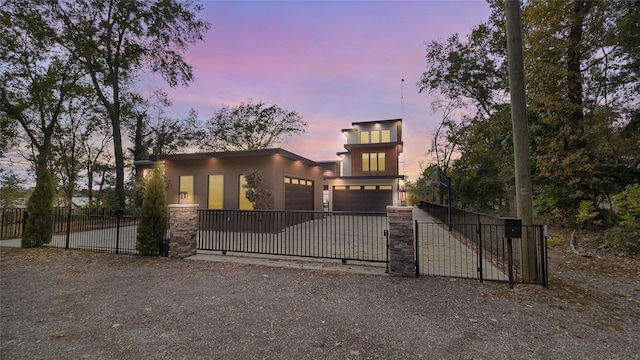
(274, 167)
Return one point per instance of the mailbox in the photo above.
(512, 227)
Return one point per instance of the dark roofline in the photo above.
(231, 154)
(375, 121)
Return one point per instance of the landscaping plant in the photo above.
(152, 227)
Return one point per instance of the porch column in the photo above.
(183, 229)
(402, 256)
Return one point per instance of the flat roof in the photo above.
(231, 154)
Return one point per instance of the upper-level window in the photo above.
(373, 162)
(375, 136)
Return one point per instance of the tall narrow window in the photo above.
(386, 136)
(365, 162)
(381, 162)
(216, 192)
(243, 202)
(186, 189)
(375, 136)
(364, 137)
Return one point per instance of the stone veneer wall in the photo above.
(183, 230)
(402, 253)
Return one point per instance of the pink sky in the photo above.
(334, 62)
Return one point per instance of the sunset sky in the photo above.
(334, 62)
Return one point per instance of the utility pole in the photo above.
(524, 198)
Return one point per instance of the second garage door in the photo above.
(367, 198)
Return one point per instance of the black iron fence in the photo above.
(77, 230)
(315, 234)
(481, 251)
(11, 221)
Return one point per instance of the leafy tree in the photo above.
(114, 41)
(38, 79)
(257, 194)
(251, 126)
(581, 63)
(11, 189)
(39, 226)
(473, 71)
(152, 227)
(627, 204)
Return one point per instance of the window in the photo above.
(294, 181)
(186, 189)
(369, 187)
(339, 187)
(364, 137)
(355, 187)
(386, 187)
(216, 192)
(375, 136)
(243, 202)
(386, 136)
(373, 162)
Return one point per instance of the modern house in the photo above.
(215, 180)
(367, 178)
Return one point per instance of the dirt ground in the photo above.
(61, 304)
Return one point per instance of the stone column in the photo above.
(402, 251)
(183, 229)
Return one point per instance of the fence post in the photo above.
(66, 241)
(510, 261)
(183, 230)
(117, 231)
(402, 257)
(479, 232)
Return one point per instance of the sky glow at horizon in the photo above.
(334, 62)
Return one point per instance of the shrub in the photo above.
(257, 194)
(588, 214)
(39, 226)
(152, 227)
(627, 204)
(624, 237)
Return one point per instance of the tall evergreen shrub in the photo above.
(39, 226)
(153, 227)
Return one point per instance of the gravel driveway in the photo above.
(63, 304)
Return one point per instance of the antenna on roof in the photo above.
(402, 97)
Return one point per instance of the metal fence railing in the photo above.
(102, 233)
(11, 220)
(481, 251)
(331, 235)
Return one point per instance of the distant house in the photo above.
(215, 180)
(367, 178)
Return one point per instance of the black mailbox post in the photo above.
(512, 228)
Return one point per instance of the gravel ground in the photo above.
(58, 304)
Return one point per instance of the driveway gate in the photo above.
(481, 251)
(314, 234)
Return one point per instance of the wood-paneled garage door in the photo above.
(365, 198)
(298, 194)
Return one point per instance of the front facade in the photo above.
(368, 177)
(215, 180)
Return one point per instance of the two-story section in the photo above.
(368, 178)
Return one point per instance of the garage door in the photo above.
(298, 194)
(369, 198)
